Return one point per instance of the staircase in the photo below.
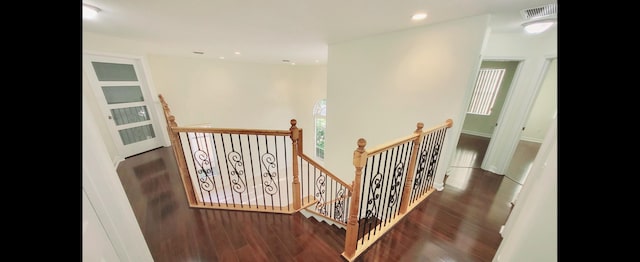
(243, 166)
(333, 235)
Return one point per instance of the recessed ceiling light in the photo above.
(89, 11)
(538, 26)
(419, 16)
(222, 57)
(237, 53)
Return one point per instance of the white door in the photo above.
(120, 87)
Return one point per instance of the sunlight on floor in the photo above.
(458, 177)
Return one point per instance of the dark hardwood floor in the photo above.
(460, 223)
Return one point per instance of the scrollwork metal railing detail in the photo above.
(375, 188)
(319, 195)
(422, 164)
(237, 172)
(396, 186)
(338, 209)
(204, 170)
(270, 174)
(432, 163)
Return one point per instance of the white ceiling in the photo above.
(268, 31)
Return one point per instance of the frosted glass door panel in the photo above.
(128, 115)
(114, 72)
(137, 134)
(122, 94)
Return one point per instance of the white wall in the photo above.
(232, 94)
(225, 94)
(105, 198)
(95, 241)
(94, 110)
(240, 95)
(544, 108)
(534, 51)
(530, 233)
(380, 86)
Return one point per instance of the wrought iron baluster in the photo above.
(384, 200)
(429, 148)
(264, 197)
(235, 176)
(375, 190)
(253, 172)
(244, 173)
(362, 201)
(215, 149)
(320, 194)
(226, 156)
(270, 171)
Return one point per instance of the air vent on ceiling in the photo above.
(539, 12)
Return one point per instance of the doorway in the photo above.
(123, 95)
(482, 123)
(539, 119)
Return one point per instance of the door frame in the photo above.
(148, 90)
(499, 153)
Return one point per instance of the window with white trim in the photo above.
(486, 90)
(320, 122)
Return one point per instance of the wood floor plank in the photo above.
(460, 223)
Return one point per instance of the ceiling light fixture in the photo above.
(538, 26)
(419, 16)
(89, 11)
(539, 19)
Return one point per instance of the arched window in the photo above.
(320, 120)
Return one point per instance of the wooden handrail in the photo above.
(232, 131)
(399, 141)
(324, 170)
(381, 148)
(448, 124)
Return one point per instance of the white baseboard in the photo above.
(439, 186)
(117, 161)
(476, 133)
(532, 139)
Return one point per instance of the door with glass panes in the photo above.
(122, 91)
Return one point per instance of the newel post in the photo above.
(351, 239)
(170, 120)
(408, 183)
(178, 152)
(295, 185)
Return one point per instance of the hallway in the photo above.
(470, 153)
(460, 223)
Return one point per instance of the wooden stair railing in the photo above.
(390, 180)
(253, 170)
